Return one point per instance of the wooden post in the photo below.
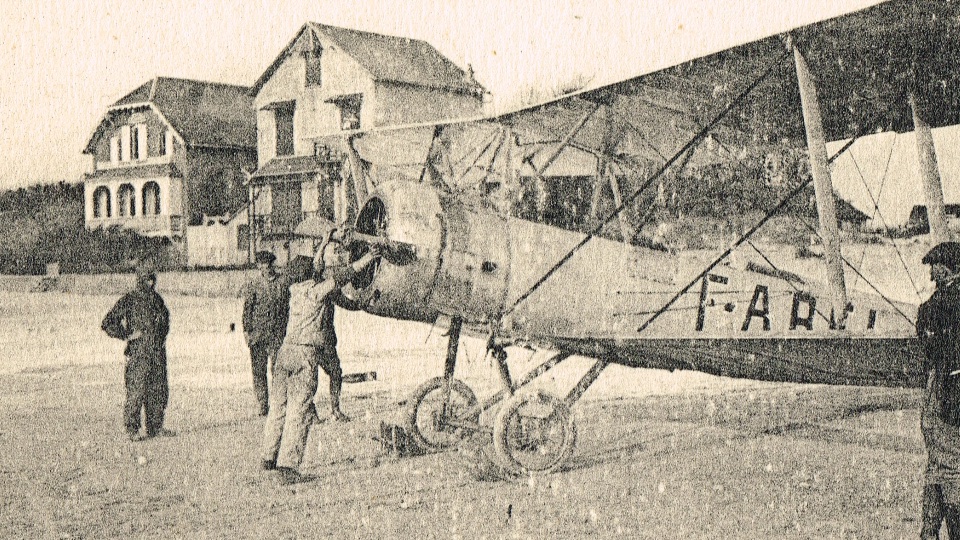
(618, 201)
(337, 199)
(605, 145)
(822, 183)
(597, 193)
(251, 214)
(510, 172)
(930, 176)
(344, 201)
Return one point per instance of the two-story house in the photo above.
(331, 80)
(168, 154)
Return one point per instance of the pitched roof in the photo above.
(387, 59)
(202, 113)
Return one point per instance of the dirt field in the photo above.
(660, 455)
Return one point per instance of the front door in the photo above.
(287, 206)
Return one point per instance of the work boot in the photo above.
(135, 436)
(268, 465)
(339, 416)
(163, 432)
(290, 476)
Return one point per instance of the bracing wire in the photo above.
(695, 140)
(857, 271)
(744, 237)
(878, 213)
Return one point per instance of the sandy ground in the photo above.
(660, 455)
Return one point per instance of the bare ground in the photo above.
(660, 455)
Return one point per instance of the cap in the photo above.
(300, 268)
(946, 253)
(264, 257)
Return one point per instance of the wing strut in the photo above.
(822, 184)
(932, 189)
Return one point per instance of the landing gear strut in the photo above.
(533, 432)
(443, 408)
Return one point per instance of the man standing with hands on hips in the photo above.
(141, 319)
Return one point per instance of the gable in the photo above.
(400, 60)
(384, 58)
(115, 118)
(200, 113)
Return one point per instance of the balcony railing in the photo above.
(145, 225)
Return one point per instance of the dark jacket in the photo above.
(266, 305)
(140, 311)
(938, 328)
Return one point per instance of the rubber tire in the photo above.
(425, 389)
(505, 421)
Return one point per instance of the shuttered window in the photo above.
(125, 143)
(114, 149)
(284, 119)
(101, 202)
(313, 74)
(140, 134)
(151, 199)
(168, 143)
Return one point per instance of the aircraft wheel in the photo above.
(534, 433)
(428, 415)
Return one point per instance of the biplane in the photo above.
(434, 195)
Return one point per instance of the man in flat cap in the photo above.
(266, 301)
(295, 369)
(142, 320)
(938, 328)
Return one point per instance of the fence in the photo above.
(213, 283)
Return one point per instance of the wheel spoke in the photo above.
(534, 433)
(433, 407)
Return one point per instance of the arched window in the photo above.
(101, 202)
(151, 199)
(127, 197)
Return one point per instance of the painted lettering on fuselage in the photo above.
(759, 307)
(761, 315)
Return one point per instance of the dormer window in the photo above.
(349, 106)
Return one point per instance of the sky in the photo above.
(62, 63)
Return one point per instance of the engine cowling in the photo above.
(462, 258)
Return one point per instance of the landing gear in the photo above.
(443, 409)
(534, 433)
(435, 413)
